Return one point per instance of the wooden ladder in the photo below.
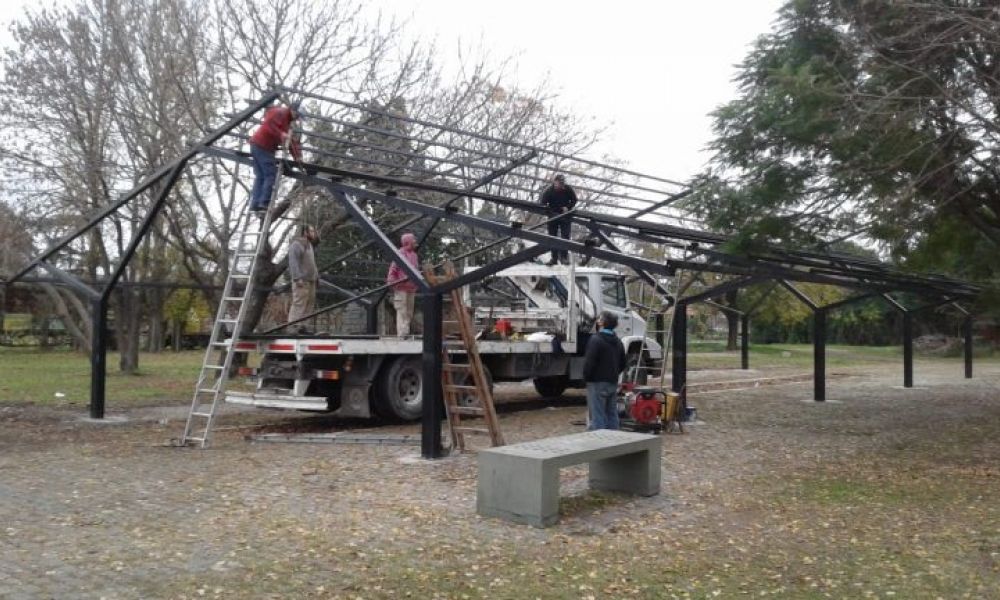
(460, 398)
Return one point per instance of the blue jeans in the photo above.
(602, 404)
(265, 169)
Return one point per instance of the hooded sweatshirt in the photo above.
(397, 276)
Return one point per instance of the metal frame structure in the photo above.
(380, 157)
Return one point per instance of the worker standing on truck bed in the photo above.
(559, 198)
(404, 291)
(303, 273)
(274, 132)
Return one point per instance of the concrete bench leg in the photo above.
(637, 473)
(518, 490)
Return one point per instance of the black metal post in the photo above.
(661, 334)
(908, 349)
(430, 434)
(678, 381)
(819, 355)
(745, 341)
(967, 334)
(98, 356)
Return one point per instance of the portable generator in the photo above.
(641, 408)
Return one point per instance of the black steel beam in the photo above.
(162, 172)
(358, 249)
(846, 301)
(488, 138)
(547, 241)
(760, 265)
(369, 227)
(70, 280)
(644, 275)
(907, 349)
(967, 345)
(98, 356)
(722, 288)
(723, 307)
(485, 271)
(485, 180)
(744, 341)
(907, 335)
(799, 294)
(430, 433)
(660, 330)
(678, 382)
(819, 355)
(143, 229)
(760, 301)
(658, 205)
(98, 350)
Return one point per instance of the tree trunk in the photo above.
(127, 331)
(732, 322)
(178, 331)
(156, 297)
(733, 338)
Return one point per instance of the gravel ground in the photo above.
(879, 492)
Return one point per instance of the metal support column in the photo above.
(661, 334)
(430, 436)
(819, 355)
(908, 349)
(678, 381)
(98, 356)
(745, 341)
(967, 334)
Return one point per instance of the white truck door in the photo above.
(613, 299)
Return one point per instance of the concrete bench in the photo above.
(520, 482)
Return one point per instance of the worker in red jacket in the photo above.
(274, 132)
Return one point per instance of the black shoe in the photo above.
(565, 261)
(551, 263)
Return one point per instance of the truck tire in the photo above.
(470, 399)
(632, 371)
(551, 387)
(399, 389)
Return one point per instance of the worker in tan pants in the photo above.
(303, 273)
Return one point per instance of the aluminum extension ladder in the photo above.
(222, 344)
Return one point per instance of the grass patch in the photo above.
(62, 378)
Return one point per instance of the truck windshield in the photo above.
(613, 292)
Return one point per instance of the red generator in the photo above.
(641, 408)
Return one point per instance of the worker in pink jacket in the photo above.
(404, 291)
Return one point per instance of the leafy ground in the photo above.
(879, 493)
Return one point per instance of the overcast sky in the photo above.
(652, 69)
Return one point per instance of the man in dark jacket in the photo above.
(603, 363)
(274, 132)
(559, 198)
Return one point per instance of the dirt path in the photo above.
(880, 492)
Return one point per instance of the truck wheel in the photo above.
(399, 389)
(632, 370)
(471, 399)
(551, 387)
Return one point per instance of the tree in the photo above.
(866, 118)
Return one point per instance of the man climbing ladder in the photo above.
(275, 131)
